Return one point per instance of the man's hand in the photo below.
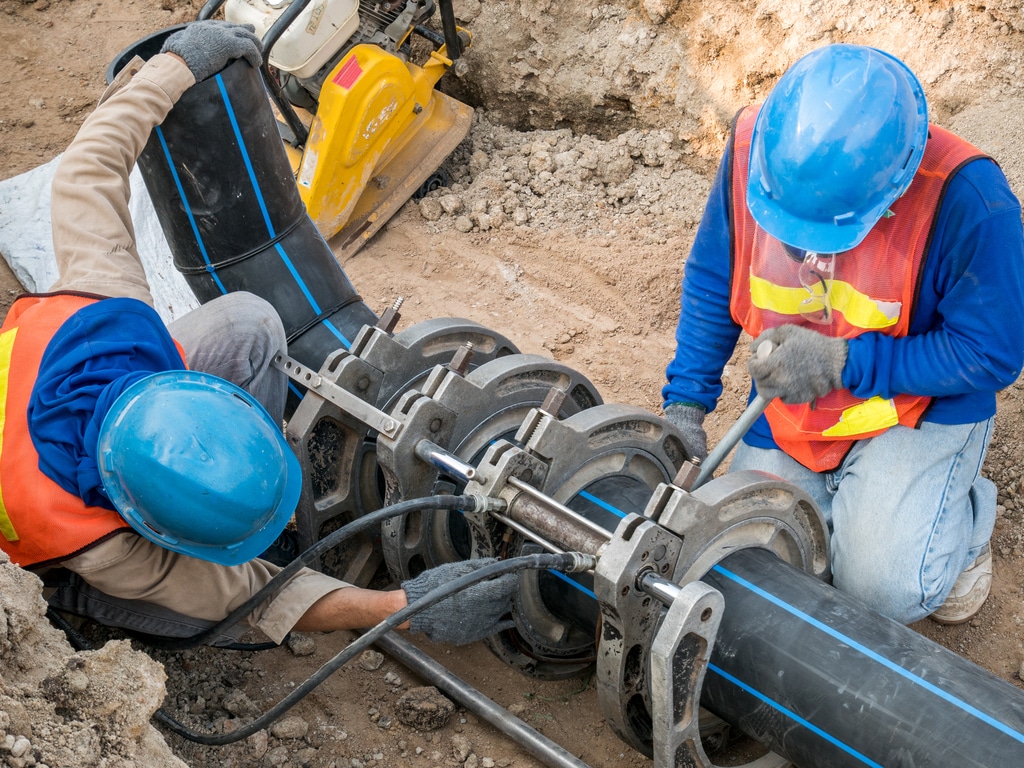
(466, 616)
(209, 46)
(803, 364)
(688, 418)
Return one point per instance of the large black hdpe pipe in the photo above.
(827, 682)
(821, 678)
(227, 202)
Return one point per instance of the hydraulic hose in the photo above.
(570, 562)
(463, 503)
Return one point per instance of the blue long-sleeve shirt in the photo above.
(966, 338)
(97, 353)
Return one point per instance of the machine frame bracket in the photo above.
(354, 406)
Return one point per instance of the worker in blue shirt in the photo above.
(879, 260)
(143, 468)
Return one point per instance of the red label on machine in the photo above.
(348, 74)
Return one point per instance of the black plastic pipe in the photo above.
(227, 202)
(827, 682)
(824, 680)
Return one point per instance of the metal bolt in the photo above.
(687, 474)
(553, 402)
(389, 319)
(461, 359)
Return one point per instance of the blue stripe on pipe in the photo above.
(245, 155)
(574, 583)
(601, 503)
(266, 214)
(309, 296)
(793, 716)
(945, 695)
(188, 209)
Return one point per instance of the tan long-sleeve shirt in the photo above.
(94, 243)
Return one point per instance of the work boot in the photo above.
(969, 592)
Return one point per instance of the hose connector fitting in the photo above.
(580, 562)
(487, 504)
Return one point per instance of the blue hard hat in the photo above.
(836, 142)
(197, 465)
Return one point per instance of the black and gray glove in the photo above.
(688, 418)
(209, 46)
(803, 364)
(467, 616)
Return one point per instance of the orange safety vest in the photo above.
(873, 289)
(40, 522)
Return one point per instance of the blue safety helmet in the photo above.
(197, 465)
(837, 141)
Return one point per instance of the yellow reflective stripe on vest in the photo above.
(869, 416)
(858, 309)
(6, 348)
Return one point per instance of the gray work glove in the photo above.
(466, 616)
(688, 418)
(209, 46)
(803, 364)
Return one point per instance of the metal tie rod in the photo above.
(736, 431)
(538, 745)
(372, 417)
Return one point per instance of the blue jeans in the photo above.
(908, 511)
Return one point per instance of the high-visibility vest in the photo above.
(40, 522)
(873, 288)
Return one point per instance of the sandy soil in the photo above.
(594, 285)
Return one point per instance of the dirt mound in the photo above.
(59, 707)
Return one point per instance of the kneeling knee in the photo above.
(893, 591)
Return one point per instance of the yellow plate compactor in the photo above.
(365, 128)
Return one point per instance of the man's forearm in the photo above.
(351, 608)
(93, 236)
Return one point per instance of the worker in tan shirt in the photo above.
(146, 460)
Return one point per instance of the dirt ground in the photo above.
(589, 277)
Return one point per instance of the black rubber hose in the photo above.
(564, 562)
(453, 45)
(211, 7)
(313, 553)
